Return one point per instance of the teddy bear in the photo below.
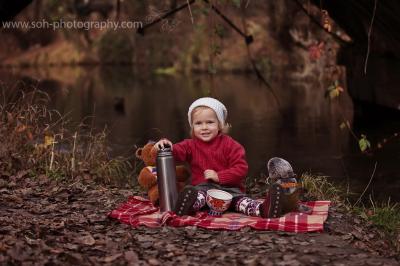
(148, 175)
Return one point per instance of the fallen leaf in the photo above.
(30, 241)
(357, 235)
(153, 261)
(87, 240)
(131, 256)
(347, 237)
(287, 257)
(112, 258)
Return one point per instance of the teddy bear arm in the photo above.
(147, 179)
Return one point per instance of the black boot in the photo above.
(185, 202)
(272, 206)
(284, 194)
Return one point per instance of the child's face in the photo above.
(205, 124)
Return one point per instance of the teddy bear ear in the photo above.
(139, 153)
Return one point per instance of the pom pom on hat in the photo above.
(218, 107)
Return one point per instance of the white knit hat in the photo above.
(218, 107)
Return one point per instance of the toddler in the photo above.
(217, 161)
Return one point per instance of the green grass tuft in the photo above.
(386, 216)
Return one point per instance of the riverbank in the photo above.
(57, 187)
(64, 223)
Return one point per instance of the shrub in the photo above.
(36, 139)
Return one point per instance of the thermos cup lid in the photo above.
(165, 151)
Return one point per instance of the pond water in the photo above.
(295, 122)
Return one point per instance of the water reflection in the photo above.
(303, 127)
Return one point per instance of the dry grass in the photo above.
(385, 216)
(319, 188)
(36, 139)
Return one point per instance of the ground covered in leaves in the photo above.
(47, 222)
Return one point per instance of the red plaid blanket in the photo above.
(139, 211)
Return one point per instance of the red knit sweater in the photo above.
(222, 154)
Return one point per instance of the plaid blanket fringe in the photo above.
(138, 211)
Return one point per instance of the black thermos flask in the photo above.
(166, 179)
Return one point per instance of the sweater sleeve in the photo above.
(237, 169)
(181, 151)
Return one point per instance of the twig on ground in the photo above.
(369, 37)
(370, 180)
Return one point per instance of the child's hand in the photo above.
(162, 143)
(211, 175)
